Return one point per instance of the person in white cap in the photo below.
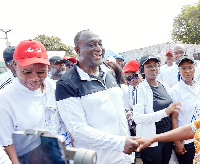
(29, 101)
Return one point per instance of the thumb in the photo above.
(135, 138)
(139, 148)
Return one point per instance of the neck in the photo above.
(152, 82)
(90, 70)
(42, 87)
(191, 82)
(54, 77)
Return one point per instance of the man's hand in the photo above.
(130, 144)
(144, 143)
(179, 147)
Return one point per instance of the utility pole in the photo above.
(6, 33)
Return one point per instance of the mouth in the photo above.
(34, 84)
(97, 56)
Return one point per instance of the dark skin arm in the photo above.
(178, 134)
(10, 150)
(130, 144)
(179, 145)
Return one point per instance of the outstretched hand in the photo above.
(144, 143)
(130, 144)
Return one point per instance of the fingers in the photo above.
(141, 147)
(135, 138)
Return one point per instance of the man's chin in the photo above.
(61, 73)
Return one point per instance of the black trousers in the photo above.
(160, 154)
(188, 157)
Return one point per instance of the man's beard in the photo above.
(55, 72)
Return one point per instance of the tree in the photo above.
(54, 44)
(186, 27)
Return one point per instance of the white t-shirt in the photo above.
(125, 90)
(162, 70)
(197, 74)
(190, 98)
(21, 108)
(170, 76)
(6, 78)
(4, 159)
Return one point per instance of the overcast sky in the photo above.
(123, 25)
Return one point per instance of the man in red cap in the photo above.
(27, 102)
(69, 62)
(168, 62)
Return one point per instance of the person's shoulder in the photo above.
(171, 69)
(8, 90)
(124, 88)
(5, 76)
(198, 66)
(175, 88)
(142, 85)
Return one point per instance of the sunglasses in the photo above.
(59, 63)
(135, 76)
(69, 65)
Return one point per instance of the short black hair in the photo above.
(76, 38)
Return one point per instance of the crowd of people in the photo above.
(121, 110)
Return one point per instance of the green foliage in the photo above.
(54, 44)
(186, 27)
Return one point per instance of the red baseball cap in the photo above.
(169, 52)
(70, 58)
(30, 52)
(131, 66)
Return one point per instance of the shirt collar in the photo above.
(38, 91)
(85, 76)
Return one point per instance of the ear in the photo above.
(49, 68)
(15, 64)
(7, 65)
(77, 49)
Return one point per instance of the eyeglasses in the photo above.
(69, 65)
(134, 76)
(58, 63)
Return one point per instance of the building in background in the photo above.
(159, 49)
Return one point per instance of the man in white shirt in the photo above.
(171, 76)
(7, 77)
(29, 101)
(168, 63)
(90, 103)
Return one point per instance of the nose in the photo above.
(153, 68)
(98, 48)
(62, 65)
(35, 77)
(187, 70)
